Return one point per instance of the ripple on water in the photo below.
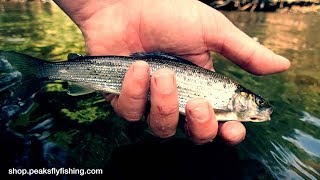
(285, 158)
(304, 141)
(308, 118)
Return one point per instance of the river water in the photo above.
(85, 132)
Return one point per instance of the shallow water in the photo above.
(85, 132)
(289, 145)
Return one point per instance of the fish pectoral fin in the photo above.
(72, 56)
(75, 89)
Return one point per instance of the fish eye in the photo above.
(260, 101)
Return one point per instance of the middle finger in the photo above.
(164, 112)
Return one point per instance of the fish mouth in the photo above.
(264, 115)
(259, 118)
(269, 111)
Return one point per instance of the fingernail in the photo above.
(200, 111)
(287, 62)
(165, 81)
(139, 69)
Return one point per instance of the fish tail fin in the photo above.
(23, 63)
(20, 71)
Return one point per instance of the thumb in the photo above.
(223, 37)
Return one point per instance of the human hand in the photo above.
(188, 29)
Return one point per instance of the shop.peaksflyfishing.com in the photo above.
(54, 171)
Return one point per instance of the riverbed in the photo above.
(85, 132)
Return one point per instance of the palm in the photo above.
(170, 26)
(185, 28)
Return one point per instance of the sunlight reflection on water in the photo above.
(288, 162)
(288, 146)
(305, 141)
(308, 118)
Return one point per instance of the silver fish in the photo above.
(230, 100)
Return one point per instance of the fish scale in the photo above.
(230, 100)
(106, 74)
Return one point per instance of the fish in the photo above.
(85, 74)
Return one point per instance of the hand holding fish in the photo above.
(188, 29)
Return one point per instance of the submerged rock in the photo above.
(8, 111)
(55, 156)
(44, 125)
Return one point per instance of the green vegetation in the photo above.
(89, 114)
(87, 127)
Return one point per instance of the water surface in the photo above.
(85, 132)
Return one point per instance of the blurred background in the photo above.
(58, 130)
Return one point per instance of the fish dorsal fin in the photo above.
(160, 55)
(75, 89)
(73, 56)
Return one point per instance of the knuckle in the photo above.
(167, 110)
(135, 97)
(200, 134)
(131, 116)
(201, 141)
(163, 133)
(161, 126)
(161, 130)
(205, 136)
(141, 85)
